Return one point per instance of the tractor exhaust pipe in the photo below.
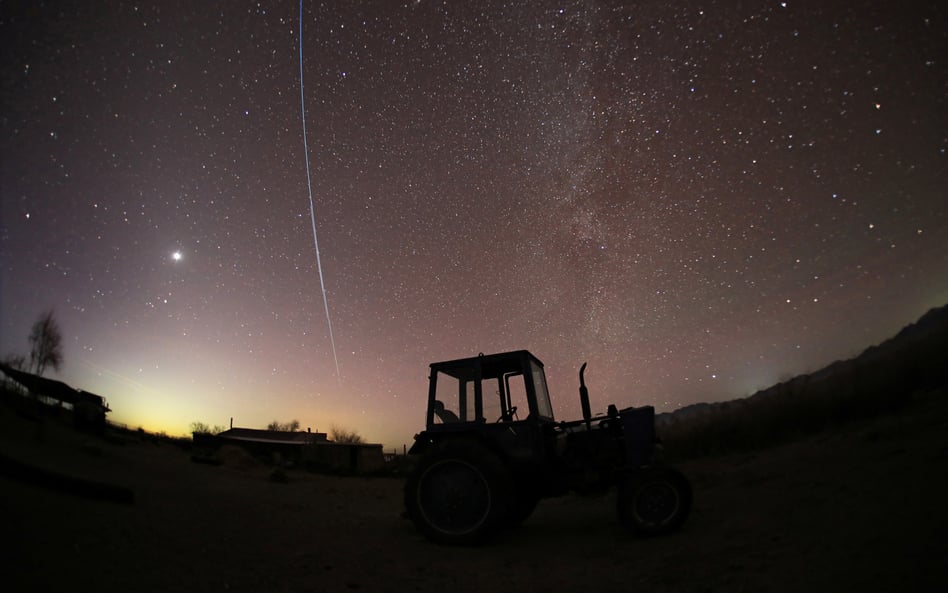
(584, 397)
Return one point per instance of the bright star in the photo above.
(176, 256)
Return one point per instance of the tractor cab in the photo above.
(500, 400)
(500, 388)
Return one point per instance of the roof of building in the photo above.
(273, 436)
(52, 388)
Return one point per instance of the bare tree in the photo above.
(339, 434)
(46, 343)
(291, 426)
(15, 361)
(203, 428)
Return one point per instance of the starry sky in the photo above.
(698, 198)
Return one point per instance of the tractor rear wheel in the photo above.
(653, 501)
(459, 494)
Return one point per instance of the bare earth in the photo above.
(863, 509)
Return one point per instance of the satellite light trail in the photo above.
(312, 211)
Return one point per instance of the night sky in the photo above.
(697, 198)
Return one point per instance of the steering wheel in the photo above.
(508, 415)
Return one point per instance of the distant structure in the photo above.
(88, 409)
(312, 450)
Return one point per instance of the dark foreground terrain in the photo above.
(859, 509)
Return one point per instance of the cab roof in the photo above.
(490, 364)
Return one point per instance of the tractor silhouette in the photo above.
(491, 450)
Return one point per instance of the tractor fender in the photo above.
(428, 440)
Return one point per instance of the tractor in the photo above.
(491, 450)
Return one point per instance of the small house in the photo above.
(312, 450)
(88, 409)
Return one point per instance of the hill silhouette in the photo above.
(881, 380)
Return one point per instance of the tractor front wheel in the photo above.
(459, 494)
(653, 501)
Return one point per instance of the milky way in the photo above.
(699, 199)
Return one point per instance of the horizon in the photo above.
(390, 446)
(697, 203)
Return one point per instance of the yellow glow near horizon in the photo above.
(170, 404)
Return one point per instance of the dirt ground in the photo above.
(862, 509)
